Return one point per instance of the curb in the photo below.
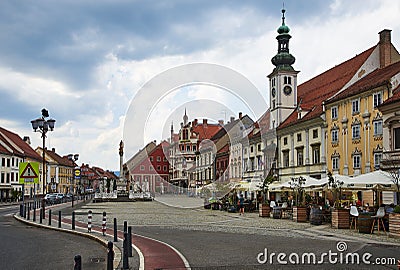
(117, 251)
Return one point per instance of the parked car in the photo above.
(60, 196)
(51, 198)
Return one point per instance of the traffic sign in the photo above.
(29, 172)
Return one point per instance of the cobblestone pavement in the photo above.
(163, 214)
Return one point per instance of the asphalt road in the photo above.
(219, 250)
(26, 247)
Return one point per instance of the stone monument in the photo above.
(121, 183)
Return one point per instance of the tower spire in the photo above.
(185, 119)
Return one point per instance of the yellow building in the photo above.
(354, 123)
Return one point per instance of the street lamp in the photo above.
(42, 125)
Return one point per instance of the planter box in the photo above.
(341, 218)
(300, 214)
(264, 210)
(394, 224)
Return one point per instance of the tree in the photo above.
(336, 189)
(391, 164)
(266, 183)
(297, 185)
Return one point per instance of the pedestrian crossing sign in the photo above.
(29, 172)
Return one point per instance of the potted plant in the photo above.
(340, 216)
(394, 222)
(264, 208)
(299, 208)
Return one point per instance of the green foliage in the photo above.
(336, 189)
(397, 209)
(297, 185)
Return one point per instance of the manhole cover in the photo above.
(97, 260)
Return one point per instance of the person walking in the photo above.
(241, 205)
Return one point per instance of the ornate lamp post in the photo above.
(43, 125)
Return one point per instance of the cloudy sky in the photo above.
(86, 60)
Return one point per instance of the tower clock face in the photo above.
(273, 92)
(287, 90)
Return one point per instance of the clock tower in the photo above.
(283, 79)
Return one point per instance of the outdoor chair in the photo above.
(379, 217)
(272, 204)
(354, 216)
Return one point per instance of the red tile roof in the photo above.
(64, 161)
(375, 79)
(206, 131)
(18, 146)
(395, 98)
(313, 92)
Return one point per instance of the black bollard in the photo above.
(40, 216)
(21, 210)
(115, 230)
(44, 208)
(125, 226)
(110, 256)
(29, 212)
(130, 241)
(34, 211)
(59, 219)
(78, 262)
(125, 257)
(24, 210)
(49, 217)
(73, 220)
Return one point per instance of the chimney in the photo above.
(205, 122)
(27, 140)
(195, 122)
(53, 150)
(240, 115)
(221, 122)
(385, 45)
(232, 119)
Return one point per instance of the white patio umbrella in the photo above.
(377, 180)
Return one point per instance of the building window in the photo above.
(355, 106)
(299, 137)
(165, 159)
(315, 133)
(335, 136)
(151, 168)
(355, 131)
(2, 177)
(356, 161)
(251, 149)
(8, 162)
(334, 112)
(164, 168)
(158, 168)
(194, 148)
(300, 157)
(285, 141)
(396, 138)
(378, 128)
(151, 159)
(335, 163)
(245, 150)
(377, 160)
(259, 147)
(377, 99)
(316, 154)
(142, 167)
(285, 155)
(158, 158)
(287, 80)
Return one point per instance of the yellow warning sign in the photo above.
(29, 172)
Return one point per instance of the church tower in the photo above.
(283, 79)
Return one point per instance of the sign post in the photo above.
(29, 173)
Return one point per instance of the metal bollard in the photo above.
(115, 230)
(40, 216)
(125, 226)
(59, 219)
(125, 263)
(44, 208)
(77, 262)
(73, 220)
(104, 225)
(89, 223)
(34, 211)
(29, 212)
(49, 217)
(110, 256)
(130, 241)
(25, 210)
(21, 210)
